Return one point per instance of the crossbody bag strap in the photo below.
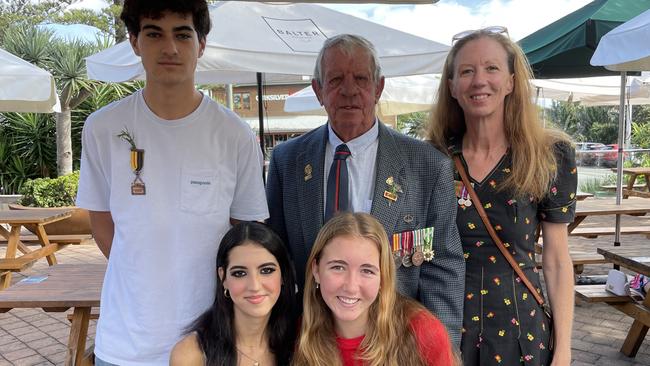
(492, 232)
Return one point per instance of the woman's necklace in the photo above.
(255, 362)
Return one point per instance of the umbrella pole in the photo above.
(260, 109)
(619, 160)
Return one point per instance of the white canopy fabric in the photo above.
(602, 90)
(25, 87)
(405, 94)
(626, 47)
(284, 39)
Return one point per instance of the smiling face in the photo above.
(482, 79)
(169, 48)
(253, 278)
(348, 91)
(349, 278)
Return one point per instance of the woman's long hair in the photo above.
(216, 328)
(389, 339)
(531, 145)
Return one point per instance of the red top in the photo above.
(430, 335)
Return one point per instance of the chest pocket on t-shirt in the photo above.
(200, 192)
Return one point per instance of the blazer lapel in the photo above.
(389, 164)
(310, 186)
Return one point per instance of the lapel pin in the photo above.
(408, 219)
(393, 189)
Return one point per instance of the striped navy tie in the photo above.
(337, 183)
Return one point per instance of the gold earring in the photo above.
(226, 294)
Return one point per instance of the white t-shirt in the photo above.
(199, 171)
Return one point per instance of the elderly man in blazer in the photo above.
(405, 183)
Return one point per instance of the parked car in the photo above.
(586, 152)
(608, 157)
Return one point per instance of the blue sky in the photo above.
(440, 21)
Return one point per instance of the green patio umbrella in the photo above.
(563, 48)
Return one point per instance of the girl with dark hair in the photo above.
(251, 321)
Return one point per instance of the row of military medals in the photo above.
(413, 247)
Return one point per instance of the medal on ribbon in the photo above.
(418, 257)
(407, 239)
(397, 250)
(137, 163)
(464, 199)
(427, 239)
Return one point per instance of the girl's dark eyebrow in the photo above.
(268, 264)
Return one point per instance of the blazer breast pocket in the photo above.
(200, 192)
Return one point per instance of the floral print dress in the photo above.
(502, 322)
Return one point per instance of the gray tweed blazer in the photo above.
(426, 177)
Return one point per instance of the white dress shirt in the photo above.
(361, 166)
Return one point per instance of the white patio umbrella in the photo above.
(250, 38)
(600, 90)
(25, 87)
(273, 38)
(404, 94)
(625, 48)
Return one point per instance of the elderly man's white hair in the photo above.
(348, 43)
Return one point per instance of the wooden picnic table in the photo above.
(16, 219)
(634, 173)
(607, 206)
(637, 261)
(67, 286)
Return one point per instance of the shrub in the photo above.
(50, 192)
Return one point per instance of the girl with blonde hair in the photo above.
(353, 314)
(524, 176)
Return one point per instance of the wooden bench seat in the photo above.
(597, 293)
(612, 187)
(579, 259)
(594, 232)
(60, 239)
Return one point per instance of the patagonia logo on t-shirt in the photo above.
(200, 182)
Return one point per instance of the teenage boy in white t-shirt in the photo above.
(164, 173)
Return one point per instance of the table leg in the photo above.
(42, 238)
(635, 335)
(576, 221)
(22, 247)
(12, 245)
(630, 184)
(78, 334)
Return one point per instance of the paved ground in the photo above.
(33, 337)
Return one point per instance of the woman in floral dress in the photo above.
(525, 176)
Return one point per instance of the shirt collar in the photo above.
(357, 144)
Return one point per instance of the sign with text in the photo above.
(300, 35)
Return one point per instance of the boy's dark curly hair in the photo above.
(134, 10)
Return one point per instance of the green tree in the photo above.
(27, 13)
(597, 124)
(413, 124)
(65, 60)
